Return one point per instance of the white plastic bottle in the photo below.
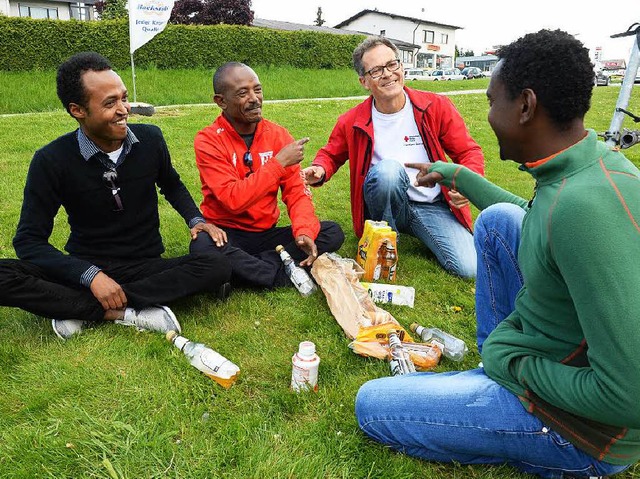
(304, 376)
(299, 277)
(399, 360)
(205, 359)
(452, 347)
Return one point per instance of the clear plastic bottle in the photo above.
(205, 359)
(304, 376)
(299, 277)
(400, 362)
(452, 347)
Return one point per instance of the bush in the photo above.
(28, 44)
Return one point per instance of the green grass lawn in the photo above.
(116, 403)
(22, 92)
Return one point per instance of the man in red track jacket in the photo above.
(244, 160)
(406, 124)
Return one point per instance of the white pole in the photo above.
(133, 76)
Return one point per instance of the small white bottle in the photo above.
(304, 376)
(210, 362)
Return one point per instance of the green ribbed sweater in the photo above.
(571, 348)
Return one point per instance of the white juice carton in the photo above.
(391, 293)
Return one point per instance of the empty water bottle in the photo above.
(452, 347)
(400, 362)
(298, 276)
(205, 359)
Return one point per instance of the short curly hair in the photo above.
(556, 67)
(69, 77)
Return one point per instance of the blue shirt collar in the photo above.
(88, 148)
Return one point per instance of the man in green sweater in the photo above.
(557, 327)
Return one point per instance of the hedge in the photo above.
(29, 44)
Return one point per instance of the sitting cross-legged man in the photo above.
(104, 175)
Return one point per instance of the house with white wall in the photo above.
(436, 41)
(49, 9)
(406, 49)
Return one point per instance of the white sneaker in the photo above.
(154, 318)
(65, 328)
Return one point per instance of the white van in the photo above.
(417, 74)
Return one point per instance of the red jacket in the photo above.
(442, 130)
(233, 199)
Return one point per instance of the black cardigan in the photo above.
(60, 176)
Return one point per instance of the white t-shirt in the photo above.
(396, 137)
(114, 155)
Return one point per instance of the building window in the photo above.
(407, 56)
(428, 36)
(79, 11)
(383, 33)
(444, 38)
(38, 12)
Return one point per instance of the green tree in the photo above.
(112, 9)
(319, 20)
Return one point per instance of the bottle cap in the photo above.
(279, 248)
(171, 335)
(306, 348)
(414, 326)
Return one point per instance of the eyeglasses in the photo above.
(247, 159)
(377, 72)
(110, 179)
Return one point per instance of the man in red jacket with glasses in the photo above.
(244, 160)
(396, 124)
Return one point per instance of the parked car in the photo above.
(602, 78)
(471, 72)
(447, 74)
(417, 74)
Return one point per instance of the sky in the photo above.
(485, 23)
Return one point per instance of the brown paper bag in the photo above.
(352, 307)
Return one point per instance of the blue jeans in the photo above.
(465, 416)
(385, 196)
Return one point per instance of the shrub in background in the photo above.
(28, 44)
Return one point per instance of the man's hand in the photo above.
(457, 200)
(424, 178)
(313, 174)
(108, 292)
(292, 154)
(218, 236)
(307, 245)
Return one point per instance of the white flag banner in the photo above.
(147, 18)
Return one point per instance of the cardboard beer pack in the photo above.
(377, 252)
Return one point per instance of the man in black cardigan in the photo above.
(104, 174)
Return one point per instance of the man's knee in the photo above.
(202, 244)
(388, 174)
(332, 234)
(501, 217)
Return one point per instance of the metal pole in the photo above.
(133, 76)
(612, 136)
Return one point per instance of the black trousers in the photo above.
(253, 257)
(145, 282)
